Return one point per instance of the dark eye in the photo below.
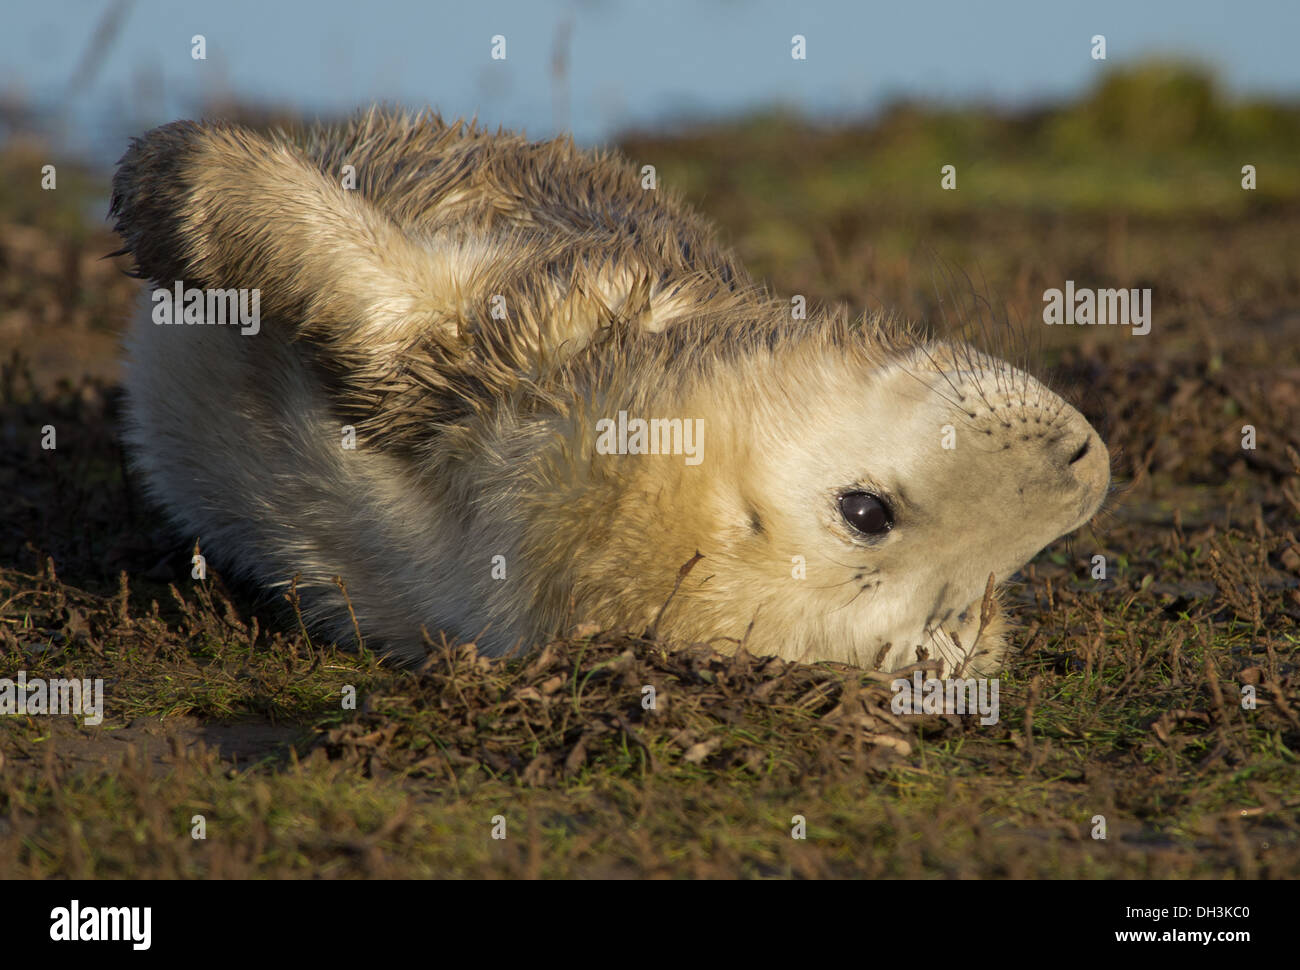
(866, 513)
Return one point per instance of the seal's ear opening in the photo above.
(218, 205)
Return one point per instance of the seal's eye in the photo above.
(866, 513)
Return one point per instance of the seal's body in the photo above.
(503, 388)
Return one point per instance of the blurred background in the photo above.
(93, 70)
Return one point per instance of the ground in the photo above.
(1128, 697)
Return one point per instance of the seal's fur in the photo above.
(475, 307)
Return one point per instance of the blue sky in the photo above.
(629, 63)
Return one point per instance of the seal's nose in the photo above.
(1084, 458)
(1072, 447)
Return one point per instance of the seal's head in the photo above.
(855, 492)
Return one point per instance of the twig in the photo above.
(687, 566)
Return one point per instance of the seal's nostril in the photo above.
(1083, 450)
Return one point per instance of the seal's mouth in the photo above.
(962, 628)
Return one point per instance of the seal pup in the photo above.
(501, 388)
